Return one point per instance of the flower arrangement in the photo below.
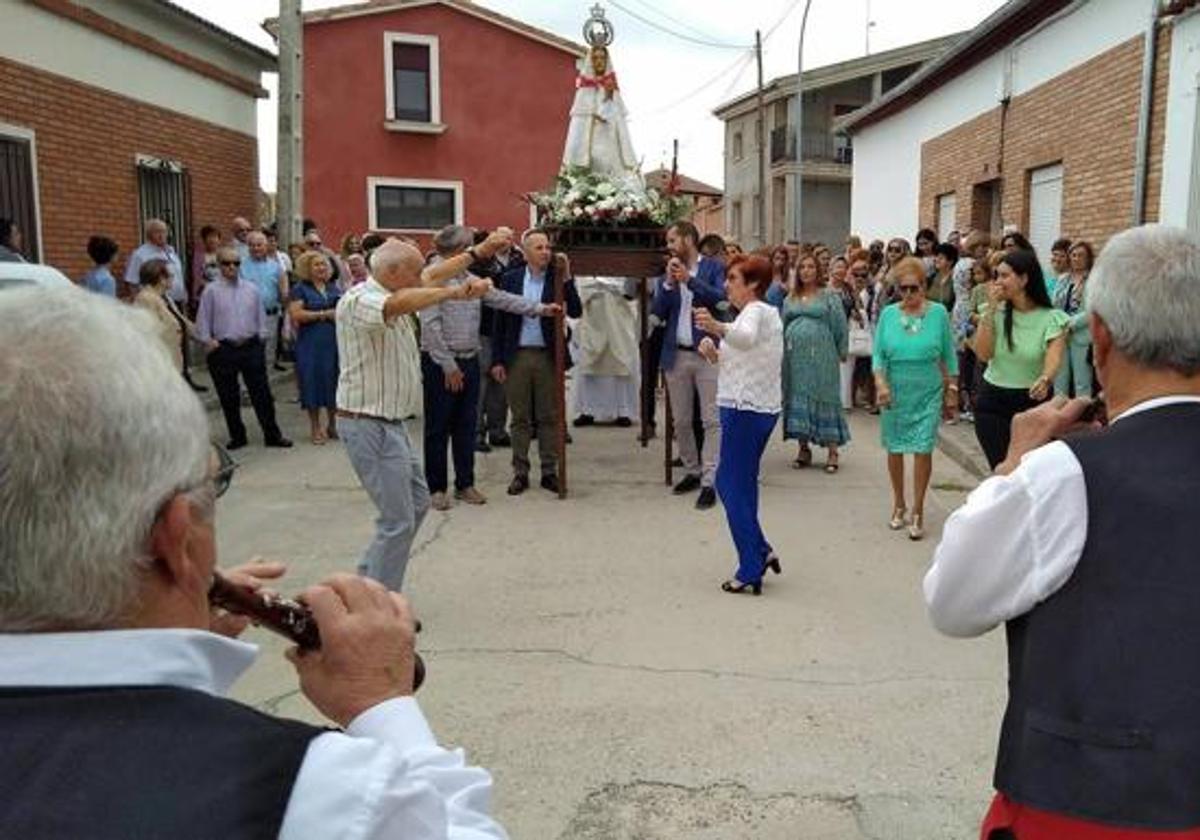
(583, 198)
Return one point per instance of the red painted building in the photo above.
(422, 113)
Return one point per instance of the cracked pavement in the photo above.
(582, 652)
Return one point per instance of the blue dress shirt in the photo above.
(531, 326)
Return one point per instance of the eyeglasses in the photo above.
(231, 262)
(226, 467)
(909, 290)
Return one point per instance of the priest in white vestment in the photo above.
(607, 362)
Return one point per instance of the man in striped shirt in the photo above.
(380, 384)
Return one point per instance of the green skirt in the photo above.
(910, 425)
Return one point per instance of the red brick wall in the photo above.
(504, 99)
(1086, 119)
(87, 140)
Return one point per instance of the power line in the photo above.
(787, 13)
(681, 23)
(739, 64)
(655, 25)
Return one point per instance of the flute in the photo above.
(281, 615)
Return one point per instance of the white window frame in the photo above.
(21, 133)
(435, 125)
(417, 183)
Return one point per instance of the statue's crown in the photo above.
(597, 31)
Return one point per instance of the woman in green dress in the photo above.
(815, 339)
(915, 364)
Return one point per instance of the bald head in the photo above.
(241, 228)
(397, 265)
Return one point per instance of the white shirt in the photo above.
(1016, 540)
(384, 777)
(149, 251)
(380, 365)
(752, 361)
(683, 327)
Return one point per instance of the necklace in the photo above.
(912, 324)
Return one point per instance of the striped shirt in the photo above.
(380, 366)
(450, 330)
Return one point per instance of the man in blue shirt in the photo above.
(523, 358)
(268, 276)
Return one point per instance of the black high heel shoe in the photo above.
(772, 563)
(736, 587)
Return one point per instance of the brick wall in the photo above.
(87, 140)
(1085, 119)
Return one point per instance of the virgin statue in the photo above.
(598, 137)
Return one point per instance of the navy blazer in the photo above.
(708, 290)
(506, 328)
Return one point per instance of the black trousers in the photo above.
(225, 364)
(994, 410)
(450, 419)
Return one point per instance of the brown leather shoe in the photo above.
(471, 496)
(439, 501)
(518, 485)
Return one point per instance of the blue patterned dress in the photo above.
(316, 348)
(815, 339)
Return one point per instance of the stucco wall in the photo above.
(505, 100)
(887, 154)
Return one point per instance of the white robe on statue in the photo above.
(598, 136)
(608, 362)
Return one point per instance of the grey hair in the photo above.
(97, 432)
(453, 238)
(1146, 288)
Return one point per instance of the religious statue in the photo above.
(598, 136)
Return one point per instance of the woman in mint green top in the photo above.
(915, 364)
(1075, 374)
(1022, 338)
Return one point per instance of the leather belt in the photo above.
(358, 415)
(237, 342)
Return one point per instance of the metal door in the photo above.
(18, 190)
(164, 192)
(1045, 209)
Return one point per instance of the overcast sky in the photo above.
(671, 84)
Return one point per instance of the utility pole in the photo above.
(798, 186)
(760, 202)
(289, 178)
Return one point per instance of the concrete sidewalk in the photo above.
(958, 443)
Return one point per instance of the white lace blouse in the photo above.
(751, 352)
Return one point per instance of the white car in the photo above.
(14, 274)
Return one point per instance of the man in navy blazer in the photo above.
(691, 281)
(523, 358)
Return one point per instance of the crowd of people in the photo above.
(920, 333)
(116, 515)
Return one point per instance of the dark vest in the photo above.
(1103, 718)
(154, 763)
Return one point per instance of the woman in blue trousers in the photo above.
(749, 394)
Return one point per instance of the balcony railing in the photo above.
(817, 146)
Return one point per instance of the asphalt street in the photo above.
(582, 651)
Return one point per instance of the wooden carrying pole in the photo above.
(669, 434)
(560, 371)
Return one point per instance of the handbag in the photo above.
(861, 342)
